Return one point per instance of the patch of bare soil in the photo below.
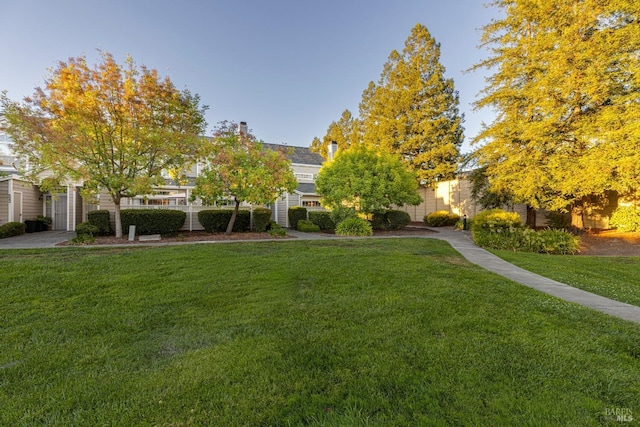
(610, 243)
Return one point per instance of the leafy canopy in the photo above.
(366, 180)
(565, 86)
(240, 168)
(112, 127)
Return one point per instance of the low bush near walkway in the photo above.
(11, 229)
(498, 229)
(307, 226)
(441, 219)
(354, 226)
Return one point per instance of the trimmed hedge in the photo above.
(11, 229)
(397, 219)
(217, 220)
(322, 219)
(296, 213)
(152, 221)
(100, 219)
(307, 226)
(86, 230)
(441, 219)
(261, 219)
(354, 226)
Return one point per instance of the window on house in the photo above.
(304, 176)
(311, 204)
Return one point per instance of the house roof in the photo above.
(306, 188)
(299, 155)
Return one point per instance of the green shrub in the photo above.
(217, 220)
(152, 221)
(496, 219)
(43, 222)
(354, 226)
(100, 219)
(261, 219)
(85, 229)
(397, 219)
(340, 213)
(323, 220)
(307, 226)
(11, 229)
(441, 219)
(558, 220)
(296, 213)
(549, 241)
(276, 230)
(379, 221)
(554, 241)
(626, 219)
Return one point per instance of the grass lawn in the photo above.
(362, 332)
(617, 278)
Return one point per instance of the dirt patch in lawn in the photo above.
(610, 243)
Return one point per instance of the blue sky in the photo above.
(288, 68)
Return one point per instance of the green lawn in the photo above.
(362, 332)
(617, 278)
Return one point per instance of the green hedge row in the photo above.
(261, 219)
(11, 229)
(217, 220)
(152, 221)
(100, 219)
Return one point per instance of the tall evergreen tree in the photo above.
(413, 110)
(344, 132)
(566, 89)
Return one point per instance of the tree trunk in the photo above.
(232, 221)
(577, 216)
(531, 217)
(117, 218)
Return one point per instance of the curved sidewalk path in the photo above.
(461, 241)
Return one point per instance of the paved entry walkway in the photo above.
(461, 241)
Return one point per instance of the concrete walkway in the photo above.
(459, 240)
(43, 239)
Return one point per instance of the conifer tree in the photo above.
(344, 132)
(413, 110)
